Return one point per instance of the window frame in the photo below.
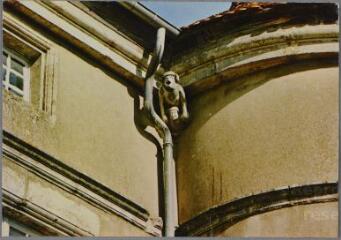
(42, 94)
(25, 93)
(7, 224)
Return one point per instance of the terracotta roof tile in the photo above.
(236, 8)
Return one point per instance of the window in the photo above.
(16, 77)
(13, 232)
(30, 64)
(12, 228)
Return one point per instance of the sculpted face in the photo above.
(172, 99)
(169, 82)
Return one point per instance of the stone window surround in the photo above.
(42, 92)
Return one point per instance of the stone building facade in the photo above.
(258, 156)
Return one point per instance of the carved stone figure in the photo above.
(172, 98)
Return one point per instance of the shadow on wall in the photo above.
(132, 89)
(141, 124)
(222, 95)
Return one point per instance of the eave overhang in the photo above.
(118, 37)
(88, 34)
(231, 46)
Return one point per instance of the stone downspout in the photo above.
(170, 216)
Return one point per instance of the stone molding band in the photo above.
(232, 57)
(125, 59)
(247, 46)
(14, 205)
(77, 183)
(228, 214)
(305, 61)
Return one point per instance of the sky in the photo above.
(184, 13)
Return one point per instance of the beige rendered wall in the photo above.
(92, 129)
(95, 117)
(63, 204)
(315, 220)
(258, 133)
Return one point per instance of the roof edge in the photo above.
(151, 17)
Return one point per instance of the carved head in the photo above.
(170, 80)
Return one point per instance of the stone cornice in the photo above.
(254, 20)
(228, 214)
(229, 57)
(78, 15)
(75, 182)
(111, 48)
(38, 217)
(254, 44)
(97, 39)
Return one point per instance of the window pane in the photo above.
(15, 232)
(4, 58)
(16, 81)
(17, 66)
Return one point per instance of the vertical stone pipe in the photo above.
(161, 126)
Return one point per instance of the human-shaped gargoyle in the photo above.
(172, 98)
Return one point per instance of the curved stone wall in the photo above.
(258, 137)
(263, 117)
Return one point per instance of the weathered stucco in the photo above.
(100, 136)
(264, 115)
(263, 105)
(258, 134)
(92, 130)
(66, 205)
